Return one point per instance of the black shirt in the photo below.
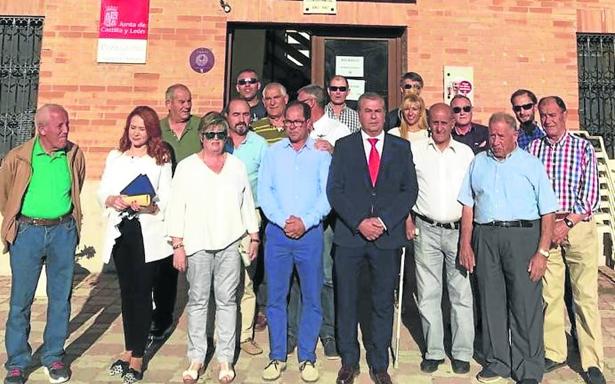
(477, 138)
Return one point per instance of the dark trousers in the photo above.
(136, 279)
(510, 301)
(165, 292)
(383, 269)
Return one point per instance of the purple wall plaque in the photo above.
(202, 60)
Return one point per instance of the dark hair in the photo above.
(521, 92)
(155, 146)
(248, 70)
(558, 100)
(307, 112)
(234, 99)
(411, 76)
(337, 77)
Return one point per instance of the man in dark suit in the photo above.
(372, 186)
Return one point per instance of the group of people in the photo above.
(319, 195)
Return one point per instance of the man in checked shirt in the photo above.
(572, 168)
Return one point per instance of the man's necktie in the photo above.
(373, 162)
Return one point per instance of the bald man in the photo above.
(40, 183)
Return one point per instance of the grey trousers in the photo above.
(510, 301)
(434, 248)
(223, 266)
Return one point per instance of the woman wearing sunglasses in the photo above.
(210, 210)
(413, 119)
(135, 235)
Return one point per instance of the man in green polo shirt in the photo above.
(40, 183)
(271, 127)
(179, 130)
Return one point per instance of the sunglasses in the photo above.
(466, 109)
(250, 80)
(410, 86)
(214, 135)
(525, 107)
(333, 88)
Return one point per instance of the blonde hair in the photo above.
(404, 128)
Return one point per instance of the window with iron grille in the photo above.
(20, 53)
(596, 55)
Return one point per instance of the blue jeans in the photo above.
(53, 246)
(281, 255)
(327, 330)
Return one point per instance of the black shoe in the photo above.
(380, 377)
(551, 365)
(57, 372)
(488, 376)
(346, 375)
(160, 331)
(119, 368)
(132, 376)
(430, 365)
(460, 367)
(595, 376)
(291, 344)
(330, 349)
(527, 381)
(15, 376)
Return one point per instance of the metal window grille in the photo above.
(596, 55)
(20, 52)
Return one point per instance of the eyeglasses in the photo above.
(214, 135)
(466, 109)
(410, 86)
(525, 107)
(296, 123)
(250, 80)
(333, 88)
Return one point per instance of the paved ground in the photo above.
(96, 339)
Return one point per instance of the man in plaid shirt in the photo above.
(572, 168)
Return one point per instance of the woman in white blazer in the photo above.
(135, 234)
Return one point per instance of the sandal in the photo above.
(227, 374)
(192, 374)
(120, 367)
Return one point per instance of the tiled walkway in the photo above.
(96, 338)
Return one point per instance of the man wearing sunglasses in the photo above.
(524, 106)
(248, 86)
(410, 83)
(336, 108)
(474, 135)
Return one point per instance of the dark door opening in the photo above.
(297, 55)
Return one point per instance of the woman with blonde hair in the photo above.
(413, 119)
(210, 210)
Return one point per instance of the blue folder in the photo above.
(140, 185)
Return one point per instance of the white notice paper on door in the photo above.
(349, 66)
(357, 88)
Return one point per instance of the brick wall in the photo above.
(510, 44)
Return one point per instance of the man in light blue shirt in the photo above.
(507, 219)
(250, 148)
(292, 194)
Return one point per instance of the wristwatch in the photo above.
(543, 252)
(568, 222)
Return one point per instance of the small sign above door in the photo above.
(326, 7)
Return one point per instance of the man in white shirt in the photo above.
(441, 164)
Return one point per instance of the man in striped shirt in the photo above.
(572, 168)
(271, 127)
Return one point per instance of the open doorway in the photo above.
(296, 55)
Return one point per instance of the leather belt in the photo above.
(451, 225)
(510, 224)
(44, 222)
